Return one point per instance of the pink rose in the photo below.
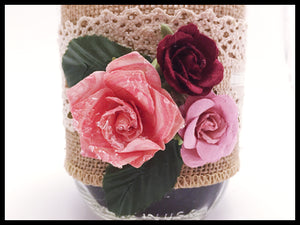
(211, 129)
(123, 116)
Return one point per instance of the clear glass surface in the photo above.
(178, 204)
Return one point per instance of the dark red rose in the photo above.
(188, 60)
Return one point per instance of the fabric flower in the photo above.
(188, 60)
(122, 115)
(211, 129)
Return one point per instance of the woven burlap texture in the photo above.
(222, 23)
(91, 171)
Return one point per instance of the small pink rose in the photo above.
(211, 129)
(122, 115)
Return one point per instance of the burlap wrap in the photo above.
(79, 20)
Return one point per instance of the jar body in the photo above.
(181, 203)
(225, 24)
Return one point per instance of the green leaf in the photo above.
(165, 30)
(88, 54)
(178, 138)
(131, 190)
(178, 98)
(157, 67)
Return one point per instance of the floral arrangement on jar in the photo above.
(147, 117)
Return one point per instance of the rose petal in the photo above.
(188, 102)
(177, 39)
(83, 111)
(135, 159)
(228, 106)
(168, 119)
(86, 87)
(190, 88)
(190, 60)
(119, 159)
(132, 86)
(106, 124)
(197, 108)
(90, 149)
(113, 157)
(191, 158)
(181, 132)
(140, 144)
(207, 45)
(209, 152)
(161, 51)
(180, 68)
(230, 114)
(134, 61)
(171, 76)
(213, 75)
(143, 158)
(210, 127)
(129, 111)
(189, 135)
(179, 122)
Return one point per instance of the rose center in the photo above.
(189, 62)
(210, 127)
(125, 125)
(120, 124)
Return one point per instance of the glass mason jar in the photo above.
(227, 24)
(181, 203)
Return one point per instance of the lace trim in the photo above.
(67, 116)
(74, 12)
(141, 32)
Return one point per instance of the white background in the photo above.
(36, 183)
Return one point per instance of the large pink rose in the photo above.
(211, 129)
(122, 115)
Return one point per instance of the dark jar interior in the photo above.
(178, 203)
